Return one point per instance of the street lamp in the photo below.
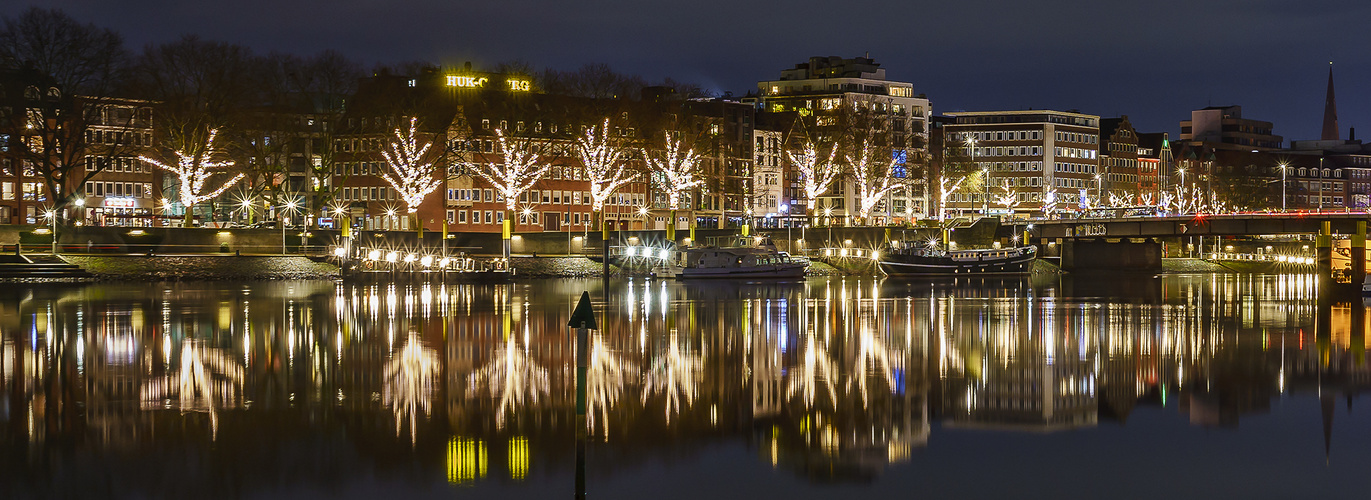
(828, 221)
(80, 209)
(51, 214)
(1283, 167)
(289, 208)
(1319, 174)
(1099, 190)
(785, 218)
(971, 149)
(1181, 195)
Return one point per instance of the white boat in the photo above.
(734, 263)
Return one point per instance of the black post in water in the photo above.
(583, 320)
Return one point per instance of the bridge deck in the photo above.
(1199, 225)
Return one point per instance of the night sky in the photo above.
(1152, 60)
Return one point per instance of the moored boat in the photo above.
(733, 263)
(908, 259)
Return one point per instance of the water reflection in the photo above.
(832, 379)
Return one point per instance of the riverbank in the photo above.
(212, 267)
(202, 267)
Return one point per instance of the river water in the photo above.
(1179, 386)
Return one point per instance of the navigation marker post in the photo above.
(583, 320)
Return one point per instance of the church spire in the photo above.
(1330, 111)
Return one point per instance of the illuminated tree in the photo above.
(204, 381)
(410, 173)
(816, 369)
(602, 159)
(1007, 198)
(605, 380)
(817, 174)
(513, 375)
(194, 168)
(674, 173)
(676, 374)
(945, 191)
(520, 170)
(873, 181)
(1050, 202)
(410, 378)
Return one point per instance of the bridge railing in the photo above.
(842, 252)
(1295, 260)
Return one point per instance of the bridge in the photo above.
(1123, 244)
(1199, 225)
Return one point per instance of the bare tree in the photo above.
(202, 88)
(85, 63)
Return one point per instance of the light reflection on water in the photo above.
(474, 385)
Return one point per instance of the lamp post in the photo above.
(1099, 190)
(785, 213)
(1283, 189)
(1181, 196)
(828, 221)
(971, 150)
(80, 209)
(51, 214)
(1320, 176)
(287, 209)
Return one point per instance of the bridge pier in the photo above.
(1323, 245)
(1101, 255)
(1358, 254)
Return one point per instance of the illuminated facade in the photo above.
(125, 191)
(1031, 153)
(850, 104)
(1119, 161)
(27, 102)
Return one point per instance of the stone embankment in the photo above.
(269, 267)
(203, 267)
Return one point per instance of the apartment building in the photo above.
(1044, 160)
(849, 104)
(1119, 161)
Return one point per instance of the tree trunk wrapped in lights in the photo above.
(602, 159)
(411, 174)
(1007, 198)
(945, 191)
(873, 181)
(194, 168)
(674, 173)
(816, 174)
(520, 170)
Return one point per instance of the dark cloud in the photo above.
(1154, 61)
